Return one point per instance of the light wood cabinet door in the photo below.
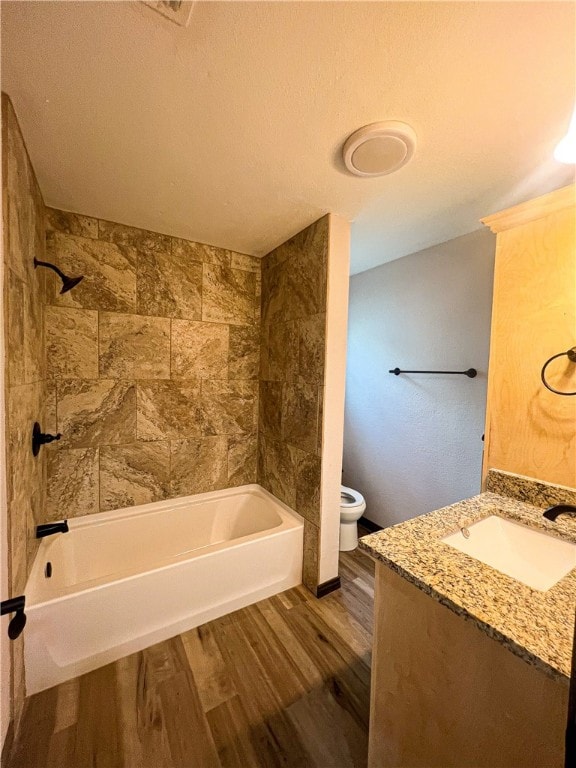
(530, 430)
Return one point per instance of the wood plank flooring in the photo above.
(284, 682)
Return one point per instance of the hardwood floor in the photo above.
(284, 682)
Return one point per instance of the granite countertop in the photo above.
(537, 626)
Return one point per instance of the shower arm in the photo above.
(67, 282)
(61, 275)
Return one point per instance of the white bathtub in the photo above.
(127, 579)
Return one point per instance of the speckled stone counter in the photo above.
(537, 626)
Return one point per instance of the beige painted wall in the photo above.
(332, 426)
(445, 695)
(413, 443)
(529, 430)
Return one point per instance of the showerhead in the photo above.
(67, 282)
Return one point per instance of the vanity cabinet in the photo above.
(445, 695)
(529, 430)
(470, 666)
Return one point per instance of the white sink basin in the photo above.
(528, 555)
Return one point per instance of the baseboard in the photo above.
(372, 527)
(328, 586)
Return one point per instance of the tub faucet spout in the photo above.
(47, 529)
(552, 512)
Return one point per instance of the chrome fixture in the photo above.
(67, 282)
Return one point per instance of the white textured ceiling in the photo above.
(228, 131)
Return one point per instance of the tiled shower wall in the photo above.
(150, 366)
(25, 372)
(150, 369)
(294, 289)
(153, 366)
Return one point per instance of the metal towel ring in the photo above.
(571, 354)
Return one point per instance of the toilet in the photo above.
(352, 506)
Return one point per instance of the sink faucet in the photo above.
(552, 512)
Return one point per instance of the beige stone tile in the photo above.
(275, 296)
(109, 272)
(228, 295)
(199, 350)
(308, 470)
(315, 239)
(283, 351)
(261, 477)
(310, 566)
(198, 466)
(34, 351)
(311, 347)
(71, 223)
(141, 239)
(38, 500)
(258, 296)
(206, 254)
(20, 256)
(242, 457)
(94, 413)
(73, 487)
(71, 343)
(276, 469)
(19, 510)
(18, 184)
(245, 262)
(134, 347)
(300, 415)
(24, 472)
(307, 286)
(50, 423)
(264, 354)
(279, 255)
(294, 276)
(28, 512)
(230, 407)
(270, 408)
(15, 352)
(18, 680)
(169, 285)
(36, 515)
(169, 410)
(244, 352)
(134, 474)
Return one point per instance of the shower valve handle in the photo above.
(44, 438)
(40, 438)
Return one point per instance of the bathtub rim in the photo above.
(122, 513)
(289, 519)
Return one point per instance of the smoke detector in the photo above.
(379, 148)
